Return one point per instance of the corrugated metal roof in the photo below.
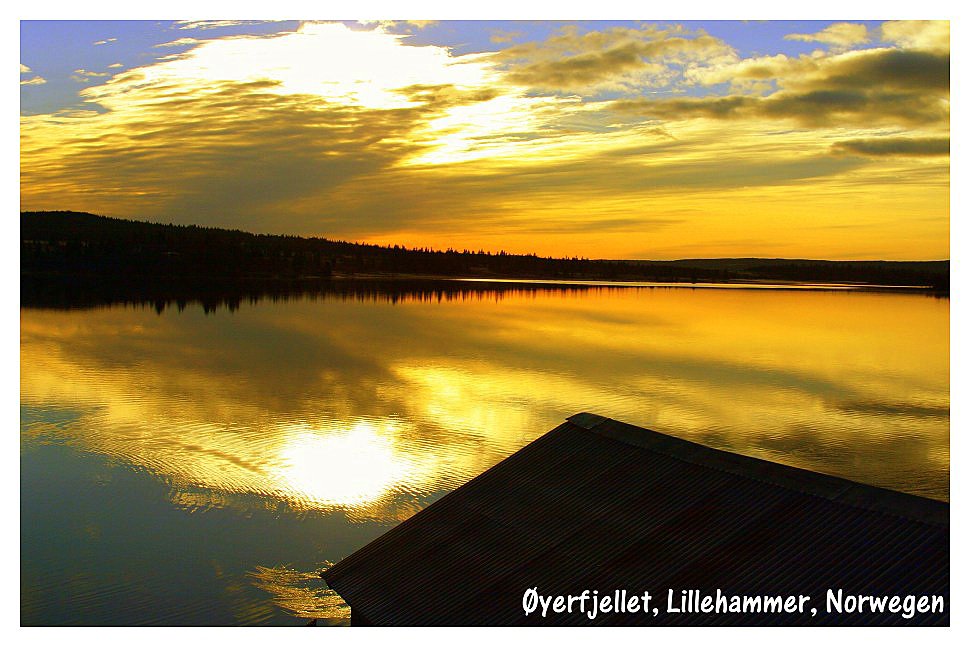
(601, 505)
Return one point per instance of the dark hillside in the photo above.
(61, 242)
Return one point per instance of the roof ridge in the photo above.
(833, 488)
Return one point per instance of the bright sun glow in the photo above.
(362, 68)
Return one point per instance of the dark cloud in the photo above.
(891, 69)
(581, 70)
(828, 106)
(572, 61)
(896, 146)
(689, 108)
(873, 87)
(815, 108)
(447, 96)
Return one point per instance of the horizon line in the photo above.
(493, 253)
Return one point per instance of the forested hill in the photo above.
(73, 242)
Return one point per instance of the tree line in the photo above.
(68, 242)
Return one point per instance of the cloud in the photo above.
(931, 35)
(84, 72)
(887, 69)
(105, 41)
(896, 146)
(503, 36)
(611, 59)
(813, 108)
(841, 35)
(740, 72)
(84, 76)
(179, 42)
(390, 25)
(896, 67)
(213, 24)
(880, 86)
(115, 66)
(36, 80)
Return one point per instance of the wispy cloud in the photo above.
(179, 42)
(841, 35)
(896, 146)
(213, 24)
(398, 24)
(504, 36)
(35, 80)
(105, 41)
(84, 76)
(422, 24)
(84, 72)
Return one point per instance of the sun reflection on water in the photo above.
(349, 468)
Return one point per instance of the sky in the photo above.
(601, 139)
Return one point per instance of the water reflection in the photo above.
(347, 415)
(328, 403)
(301, 594)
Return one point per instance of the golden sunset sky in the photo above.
(637, 139)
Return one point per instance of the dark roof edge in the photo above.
(858, 495)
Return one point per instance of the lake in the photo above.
(199, 462)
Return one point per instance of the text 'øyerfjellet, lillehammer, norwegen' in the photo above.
(694, 601)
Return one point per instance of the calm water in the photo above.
(199, 466)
